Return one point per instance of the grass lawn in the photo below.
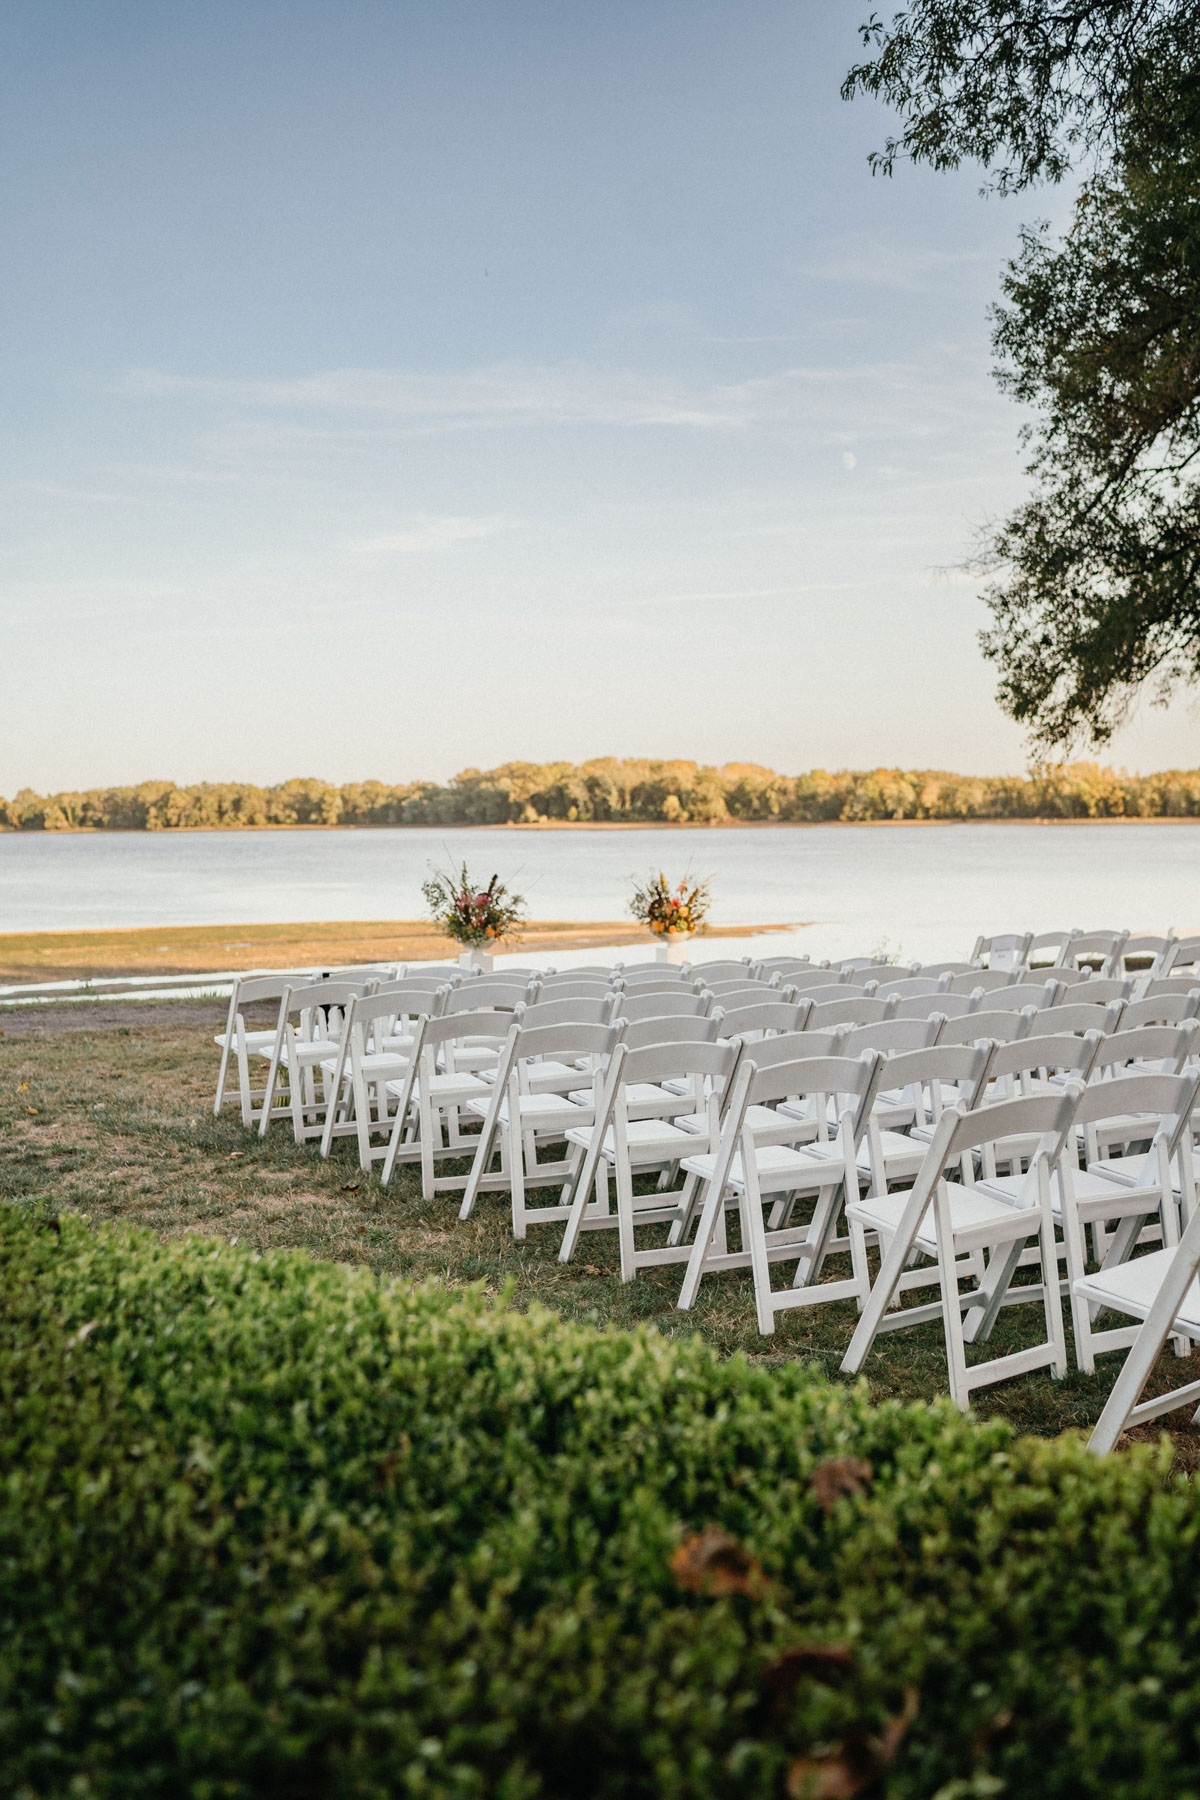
(107, 1110)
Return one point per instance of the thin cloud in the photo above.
(516, 394)
(899, 266)
(430, 531)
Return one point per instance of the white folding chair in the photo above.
(1124, 1201)
(241, 1042)
(1007, 951)
(910, 987)
(681, 1004)
(868, 1010)
(530, 1107)
(620, 1139)
(749, 1173)
(1160, 1009)
(1161, 1289)
(1001, 1026)
(763, 1018)
(954, 1223)
(308, 1032)
(731, 970)
(368, 1086)
(945, 1006)
(1104, 950)
(747, 993)
(915, 1088)
(442, 1079)
(984, 981)
(795, 972)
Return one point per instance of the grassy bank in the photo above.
(188, 949)
(117, 1123)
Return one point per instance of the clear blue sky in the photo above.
(396, 387)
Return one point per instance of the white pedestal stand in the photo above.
(675, 948)
(482, 960)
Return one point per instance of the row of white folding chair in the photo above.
(952, 1223)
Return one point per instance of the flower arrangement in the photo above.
(469, 914)
(671, 911)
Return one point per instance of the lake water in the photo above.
(920, 890)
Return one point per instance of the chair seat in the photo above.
(304, 1051)
(253, 1040)
(650, 1141)
(377, 1065)
(398, 1040)
(639, 1094)
(971, 1210)
(760, 1119)
(538, 1111)
(454, 1089)
(1132, 1287)
(781, 1169)
(902, 1155)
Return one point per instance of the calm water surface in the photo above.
(924, 890)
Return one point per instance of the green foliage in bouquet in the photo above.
(470, 914)
(667, 909)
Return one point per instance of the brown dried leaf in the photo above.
(839, 1478)
(711, 1562)
(854, 1765)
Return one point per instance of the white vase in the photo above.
(475, 958)
(673, 948)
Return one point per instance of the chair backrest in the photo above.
(361, 972)
(892, 1036)
(795, 1046)
(1030, 993)
(474, 995)
(820, 996)
(1160, 1009)
(418, 991)
(1104, 948)
(1184, 954)
(906, 989)
(684, 1004)
(556, 988)
(1161, 985)
(1009, 950)
(1148, 953)
(485, 1022)
(657, 975)
(983, 981)
(1066, 976)
(1171, 1096)
(850, 1012)
(929, 1072)
(797, 973)
(328, 998)
(1001, 1027)
(664, 1062)
(1046, 1116)
(763, 1016)
(1168, 1045)
(945, 971)
(927, 1006)
(571, 1011)
(861, 970)
(1057, 1052)
(1080, 1017)
(745, 993)
(826, 1079)
(1098, 991)
(730, 970)
(573, 1039)
(1044, 947)
(671, 1028)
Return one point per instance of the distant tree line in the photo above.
(628, 791)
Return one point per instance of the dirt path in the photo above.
(94, 1015)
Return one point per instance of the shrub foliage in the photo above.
(269, 1527)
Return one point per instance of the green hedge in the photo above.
(271, 1528)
